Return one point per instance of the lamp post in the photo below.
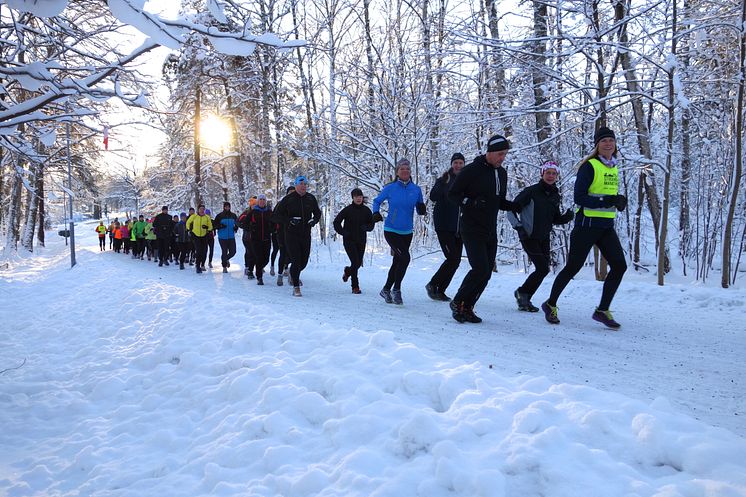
(70, 190)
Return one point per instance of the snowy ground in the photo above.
(143, 381)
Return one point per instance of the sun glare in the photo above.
(215, 133)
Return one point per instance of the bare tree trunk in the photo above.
(277, 112)
(19, 210)
(638, 222)
(197, 148)
(541, 116)
(235, 146)
(685, 234)
(600, 264)
(332, 51)
(266, 165)
(497, 71)
(643, 132)
(2, 184)
(14, 208)
(735, 177)
(601, 267)
(741, 250)
(433, 80)
(369, 56)
(41, 207)
(308, 97)
(663, 245)
(600, 73)
(29, 227)
(483, 86)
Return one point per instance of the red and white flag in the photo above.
(106, 137)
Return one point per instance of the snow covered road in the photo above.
(142, 380)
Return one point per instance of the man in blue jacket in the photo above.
(227, 224)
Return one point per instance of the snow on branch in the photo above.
(40, 8)
(23, 111)
(55, 83)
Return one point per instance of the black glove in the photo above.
(295, 221)
(608, 201)
(474, 203)
(204, 226)
(620, 202)
(569, 215)
(421, 209)
(377, 217)
(312, 222)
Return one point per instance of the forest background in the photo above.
(254, 93)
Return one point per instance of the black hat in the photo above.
(601, 133)
(497, 143)
(356, 192)
(164, 208)
(458, 156)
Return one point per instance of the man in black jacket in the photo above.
(163, 226)
(353, 223)
(181, 238)
(445, 219)
(480, 190)
(298, 212)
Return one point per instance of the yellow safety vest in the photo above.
(605, 183)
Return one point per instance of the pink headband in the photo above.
(549, 165)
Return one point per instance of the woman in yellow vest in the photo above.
(597, 199)
(101, 230)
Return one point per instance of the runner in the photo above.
(353, 223)
(403, 196)
(598, 200)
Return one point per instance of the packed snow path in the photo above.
(141, 380)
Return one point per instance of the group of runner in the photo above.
(467, 200)
(189, 238)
